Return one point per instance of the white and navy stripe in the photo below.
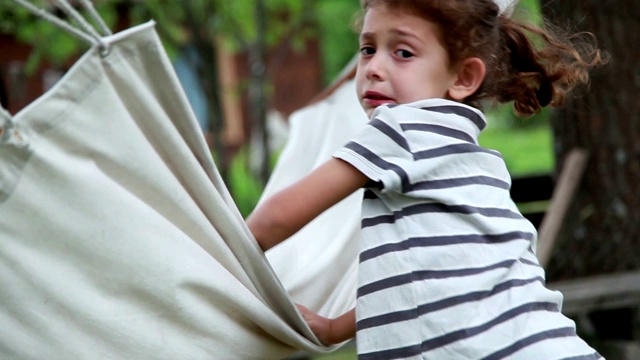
(447, 262)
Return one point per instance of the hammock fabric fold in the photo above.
(118, 239)
(318, 265)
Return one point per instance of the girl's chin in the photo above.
(369, 112)
(369, 109)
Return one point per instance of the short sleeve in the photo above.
(380, 151)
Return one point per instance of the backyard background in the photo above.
(246, 65)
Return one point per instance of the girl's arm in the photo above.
(286, 212)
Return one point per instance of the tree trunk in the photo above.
(602, 232)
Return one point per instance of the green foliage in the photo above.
(246, 188)
(234, 21)
(42, 35)
(529, 10)
(527, 148)
(338, 38)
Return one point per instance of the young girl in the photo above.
(447, 263)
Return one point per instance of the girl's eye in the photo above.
(405, 54)
(367, 50)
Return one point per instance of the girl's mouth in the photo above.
(374, 98)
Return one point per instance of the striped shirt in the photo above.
(447, 262)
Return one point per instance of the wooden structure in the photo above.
(541, 188)
(618, 292)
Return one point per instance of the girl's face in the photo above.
(401, 60)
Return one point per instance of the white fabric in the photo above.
(318, 265)
(506, 6)
(118, 239)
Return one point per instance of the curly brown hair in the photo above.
(529, 65)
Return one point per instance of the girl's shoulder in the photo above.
(435, 105)
(433, 112)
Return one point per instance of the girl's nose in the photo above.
(375, 67)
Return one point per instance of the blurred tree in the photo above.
(249, 26)
(602, 232)
(41, 35)
(243, 25)
(339, 39)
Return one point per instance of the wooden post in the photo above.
(568, 182)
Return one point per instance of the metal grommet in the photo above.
(104, 49)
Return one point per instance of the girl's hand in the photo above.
(320, 326)
(330, 331)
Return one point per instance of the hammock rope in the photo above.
(89, 35)
(75, 15)
(96, 17)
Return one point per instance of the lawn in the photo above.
(526, 150)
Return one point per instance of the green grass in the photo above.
(525, 145)
(525, 151)
(245, 187)
(348, 354)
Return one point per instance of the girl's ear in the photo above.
(469, 77)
